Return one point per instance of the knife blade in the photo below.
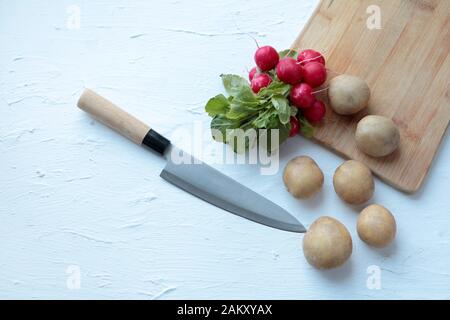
(193, 175)
(211, 185)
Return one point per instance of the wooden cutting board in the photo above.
(407, 66)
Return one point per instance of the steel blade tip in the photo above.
(292, 227)
(299, 228)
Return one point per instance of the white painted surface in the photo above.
(80, 199)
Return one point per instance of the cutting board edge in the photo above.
(379, 176)
(405, 189)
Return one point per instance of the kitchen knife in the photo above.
(193, 176)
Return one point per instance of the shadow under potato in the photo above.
(315, 200)
(339, 274)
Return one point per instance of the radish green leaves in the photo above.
(268, 109)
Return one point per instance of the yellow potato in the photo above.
(353, 182)
(376, 226)
(327, 244)
(377, 136)
(348, 94)
(302, 177)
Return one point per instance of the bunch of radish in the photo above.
(304, 71)
(279, 96)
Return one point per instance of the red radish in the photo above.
(314, 74)
(316, 112)
(302, 96)
(289, 71)
(310, 55)
(266, 58)
(295, 126)
(252, 73)
(260, 81)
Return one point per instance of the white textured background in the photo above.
(74, 193)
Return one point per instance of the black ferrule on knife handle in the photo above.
(156, 142)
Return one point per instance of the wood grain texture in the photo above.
(407, 66)
(111, 115)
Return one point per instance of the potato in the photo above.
(348, 94)
(353, 182)
(376, 226)
(377, 136)
(327, 243)
(302, 177)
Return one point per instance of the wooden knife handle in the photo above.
(114, 117)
